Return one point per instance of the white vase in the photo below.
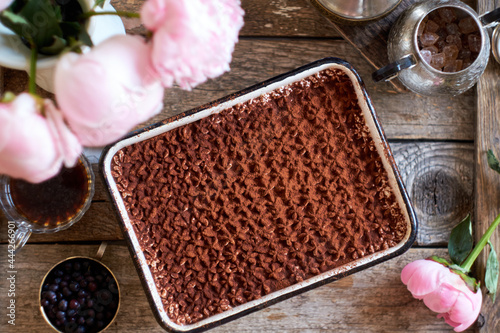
(14, 54)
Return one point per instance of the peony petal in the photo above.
(442, 299)
(466, 309)
(106, 92)
(424, 276)
(447, 319)
(4, 4)
(30, 152)
(195, 41)
(68, 145)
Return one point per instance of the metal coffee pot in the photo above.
(408, 64)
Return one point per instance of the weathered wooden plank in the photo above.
(487, 191)
(404, 116)
(369, 38)
(278, 18)
(98, 223)
(438, 177)
(373, 300)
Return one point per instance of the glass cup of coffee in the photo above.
(49, 206)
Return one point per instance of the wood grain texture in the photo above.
(369, 38)
(403, 116)
(358, 303)
(98, 223)
(487, 191)
(263, 18)
(439, 180)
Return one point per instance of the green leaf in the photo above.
(99, 3)
(493, 162)
(492, 272)
(84, 37)
(18, 24)
(57, 46)
(461, 242)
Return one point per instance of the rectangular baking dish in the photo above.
(222, 104)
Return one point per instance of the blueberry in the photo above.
(83, 283)
(50, 296)
(61, 315)
(80, 320)
(68, 266)
(44, 303)
(66, 277)
(71, 313)
(89, 321)
(100, 324)
(54, 287)
(77, 266)
(63, 284)
(92, 286)
(63, 305)
(74, 286)
(90, 303)
(66, 292)
(90, 313)
(80, 329)
(82, 293)
(58, 273)
(45, 287)
(73, 304)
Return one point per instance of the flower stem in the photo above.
(33, 59)
(117, 13)
(467, 264)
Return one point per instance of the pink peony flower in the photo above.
(193, 40)
(109, 90)
(444, 292)
(33, 147)
(4, 4)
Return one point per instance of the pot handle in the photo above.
(490, 18)
(392, 70)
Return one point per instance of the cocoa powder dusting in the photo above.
(264, 195)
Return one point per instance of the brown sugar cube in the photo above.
(450, 67)
(454, 40)
(421, 26)
(474, 42)
(432, 49)
(426, 55)
(429, 38)
(464, 54)
(467, 25)
(450, 54)
(447, 14)
(437, 61)
(431, 26)
(467, 63)
(452, 29)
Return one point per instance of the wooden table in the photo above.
(433, 142)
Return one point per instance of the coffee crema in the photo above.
(54, 202)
